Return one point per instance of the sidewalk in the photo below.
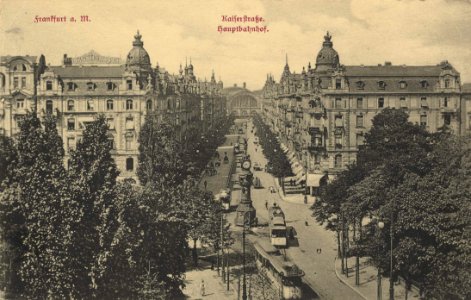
(368, 287)
(214, 287)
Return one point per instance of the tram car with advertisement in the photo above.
(277, 226)
(284, 274)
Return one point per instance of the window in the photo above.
(48, 85)
(338, 121)
(109, 104)
(129, 123)
(90, 104)
(71, 105)
(23, 67)
(317, 159)
(402, 101)
(423, 120)
(110, 86)
(90, 86)
(20, 103)
(129, 84)
(71, 143)
(111, 143)
(424, 84)
(338, 161)
(70, 86)
(149, 104)
(128, 142)
(338, 84)
(359, 120)
(128, 104)
(360, 139)
(423, 102)
(380, 102)
(15, 82)
(445, 102)
(381, 85)
(360, 85)
(338, 103)
(110, 122)
(402, 84)
(338, 141)
(447, 83)
(23, 82)
(359, 102)
(129, 164)
(71, 124)
(447, 119)
(49, 107)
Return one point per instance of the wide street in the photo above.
(319, 268)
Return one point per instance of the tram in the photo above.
(277, 226)
(285, 274)
(225, 198)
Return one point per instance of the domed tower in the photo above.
(138, 60)
(327, 58)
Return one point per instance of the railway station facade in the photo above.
(124, 91)
(323, 112)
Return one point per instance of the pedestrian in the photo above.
(305, 199)
(202, 289)
(266, 204)
(205, 184)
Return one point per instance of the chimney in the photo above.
(235, 84)
(387, 63)
(245, 85)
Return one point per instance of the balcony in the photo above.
(448, 110)
(316, 110)
(316, 148)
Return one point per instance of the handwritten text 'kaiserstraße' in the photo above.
(243, 28)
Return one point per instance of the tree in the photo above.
(8, 158)
(38, 213)
(94, 173)
(160, 155)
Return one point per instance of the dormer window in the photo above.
(424, 84)
(48, 85)
(402, 84)
(381, 85)
(110, 86)
(360, 85)
(338, 84)
(129, 84)
(70, 86)
(447, 83)
(90, 86)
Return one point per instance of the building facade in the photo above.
(322, 113)
(124, 91)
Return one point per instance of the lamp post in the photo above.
(244, 280)
(380, 292)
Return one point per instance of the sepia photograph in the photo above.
(236, 149)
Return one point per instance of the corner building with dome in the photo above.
(124, 91)
(323, 112)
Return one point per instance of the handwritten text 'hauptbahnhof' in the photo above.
(243, 28)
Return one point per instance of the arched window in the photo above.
(109, 104)
(129, 104)
(49, 107)
(338, 161)
(129, 164)
(149, 104)
(23, 67)
(71, 105)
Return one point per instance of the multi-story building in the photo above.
(124, 91)
(322, 113)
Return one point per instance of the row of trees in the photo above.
(418, 186)
(277, 160)
(79, 233)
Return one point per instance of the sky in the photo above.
(368, 32)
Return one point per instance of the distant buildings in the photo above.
(125, 92)
(322, 113)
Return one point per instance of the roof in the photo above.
(466, 87)
(287, 268)
(88, 71)
(399, 71)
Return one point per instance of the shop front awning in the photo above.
(314, 180)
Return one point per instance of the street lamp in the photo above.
(246, 227)
(380, 292)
